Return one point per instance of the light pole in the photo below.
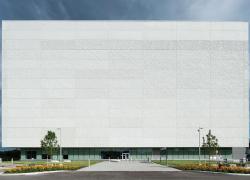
(199, 131)
(60, 129)
(166, 157)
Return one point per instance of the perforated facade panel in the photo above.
(124, 83)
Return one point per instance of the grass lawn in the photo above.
(83, 163)
(187, 162)
(73, 163)
(179, 162)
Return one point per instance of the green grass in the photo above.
(187, 162)
(83, 163)
(77, 163)
(24, 162)
(178, 162)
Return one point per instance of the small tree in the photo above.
(49, 144)
(210, 143)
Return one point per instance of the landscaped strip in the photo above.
(205, 166)
(40, 168)
(225, 169)
(33, 167)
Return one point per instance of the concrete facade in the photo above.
(124, 83)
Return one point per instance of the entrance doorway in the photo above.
(110, 154)
(125, 156)
(115, 154)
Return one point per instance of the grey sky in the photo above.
(126, 9)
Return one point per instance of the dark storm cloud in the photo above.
(75, 9)
(126, 9)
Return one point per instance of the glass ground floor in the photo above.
(125, 153)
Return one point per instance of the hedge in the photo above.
(40, 168)
(226, 169)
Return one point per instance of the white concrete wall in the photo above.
(125, 83)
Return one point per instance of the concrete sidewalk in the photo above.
(127, 166)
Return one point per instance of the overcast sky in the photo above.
(126, 9)
(197, 10)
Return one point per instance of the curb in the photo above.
(212, 172)
(32, 173)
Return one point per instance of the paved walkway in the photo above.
(127, 166)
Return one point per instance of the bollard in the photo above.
(12, 162)
(89, 162)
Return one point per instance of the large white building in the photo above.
(127, 88)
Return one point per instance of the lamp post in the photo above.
(60, 129)
(166, 157)
(199, 131)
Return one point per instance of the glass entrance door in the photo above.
(125, 156)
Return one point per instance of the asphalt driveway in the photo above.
(161, 175)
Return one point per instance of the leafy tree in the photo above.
(211, 144)
(49, 144)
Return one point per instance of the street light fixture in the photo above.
(199, 131)
(60, 129)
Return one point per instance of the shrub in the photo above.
(226, 169)
(39, 168)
